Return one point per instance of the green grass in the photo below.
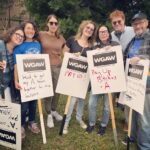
(76, 139)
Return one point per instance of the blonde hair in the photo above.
(117, 13)
(83, 24)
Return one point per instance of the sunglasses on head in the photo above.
(53, 23)
(116, 22)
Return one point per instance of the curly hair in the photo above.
(7, 36)
(23, 25)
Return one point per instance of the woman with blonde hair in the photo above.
(79, 45)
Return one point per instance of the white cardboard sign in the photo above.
(10, 125)
(136, 76)
(74, 77)
(34, 76)
(106, 70)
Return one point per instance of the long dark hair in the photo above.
(97, 33)
(7, 36)
(34, 26)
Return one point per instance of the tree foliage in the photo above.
(72, 12)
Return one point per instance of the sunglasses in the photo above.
(53, 23)
(18, 35)
(116, 22)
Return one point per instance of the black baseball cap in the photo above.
(138, 16)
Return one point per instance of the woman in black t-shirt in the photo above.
(79, 44)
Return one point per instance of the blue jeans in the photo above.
(29, 107)
(142, 134)
(92, 109)
(143, 138)
(79, 111)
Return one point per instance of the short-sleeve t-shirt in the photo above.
(27, 48)
(74, 47)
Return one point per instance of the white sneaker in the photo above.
(65, 130)
(56, 115)
(50, 122)
(82, 124)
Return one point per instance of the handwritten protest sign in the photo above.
(34, 76)
(136, 78)
(73, 79)
(106, 70)
(10, 125)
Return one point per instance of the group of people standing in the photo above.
(26, 39)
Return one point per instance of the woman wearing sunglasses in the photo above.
(13, 37)
(52, 44)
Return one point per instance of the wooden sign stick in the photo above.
(42, 121)
(113, 119)
(129, 128)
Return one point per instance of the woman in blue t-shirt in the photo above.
(29, 46)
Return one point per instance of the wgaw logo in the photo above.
(105, 59)
(77, 65)
(135, 71)
(33, 64)
(7, 136)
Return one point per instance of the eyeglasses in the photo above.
(89, 28)
(116, 22)
(53, 23)
(103, 32)
(18, 35)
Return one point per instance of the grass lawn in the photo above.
(76, 139)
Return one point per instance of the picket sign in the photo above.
(134, 97)
(35, 77)
(10, 124)
(73, 80)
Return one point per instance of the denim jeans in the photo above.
(93, 100)
(79, 109)
(142, 134)
(29, 107)
(143, 138)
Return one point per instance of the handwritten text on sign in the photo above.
(136, 85)
(10, 125)
(73, 79)
(106, 70)
(34, 76)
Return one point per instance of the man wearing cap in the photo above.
(139, 48)
(123, 35)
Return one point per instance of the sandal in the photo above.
(34, 128)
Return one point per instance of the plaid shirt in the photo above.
(144, 52)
